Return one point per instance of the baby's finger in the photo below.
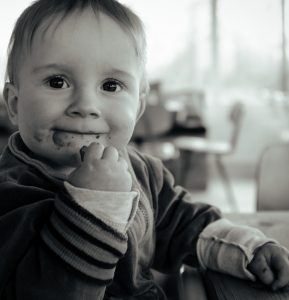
(123, 162)
(262, 270)
(266, 275)
(110, 153)
(281, 268)
(94, 151)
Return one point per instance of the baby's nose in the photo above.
(84, 108)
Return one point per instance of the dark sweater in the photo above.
(52, 248)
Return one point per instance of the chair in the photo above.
(272, 178)
(163, 121)
(171, 284)
(218, 149)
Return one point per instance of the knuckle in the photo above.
(110, 151)
(109, 148)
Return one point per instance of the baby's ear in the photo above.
(10, 95)
(144, 90)
(141, 105)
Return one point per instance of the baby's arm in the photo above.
(244, 252)
(103, 185)
(48, 252)
(59, 249)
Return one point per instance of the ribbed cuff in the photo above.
(83, 241)
(229, 248)
(114, 208)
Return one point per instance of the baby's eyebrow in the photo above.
(119, 73)
(50, 66)
(64, 68)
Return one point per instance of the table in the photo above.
(274, 224)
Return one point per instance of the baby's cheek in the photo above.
(122, 131)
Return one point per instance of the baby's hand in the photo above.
(271, 265)
(102, 169)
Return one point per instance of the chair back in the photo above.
(272, 178)
(236, 115)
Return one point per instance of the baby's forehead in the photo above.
(84, 46)
(48, 27)
(82, 30)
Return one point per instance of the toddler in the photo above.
(82, 216)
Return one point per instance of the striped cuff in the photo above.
(114, 208)
(83, 241)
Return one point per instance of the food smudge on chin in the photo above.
(38, 137)
(63, 139)
(58, 140)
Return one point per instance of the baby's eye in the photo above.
(57, 82)
(112, 86)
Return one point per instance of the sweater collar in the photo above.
(23, 153)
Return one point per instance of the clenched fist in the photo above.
(102, 169)
(271, 265)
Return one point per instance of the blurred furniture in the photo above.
(155, 122)
(199, 285)
(225, 287)
(272, 178)
(168, 115)
(218, 149)
(188, 106)
(173, 284)
(274, 224)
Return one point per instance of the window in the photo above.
(250, 40)
(246, 52)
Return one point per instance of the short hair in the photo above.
(43, 12)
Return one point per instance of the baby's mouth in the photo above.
(65, 138)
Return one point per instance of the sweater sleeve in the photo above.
(223, 239)
(55, 249)
(178, 220)
(114, 208)
(196, 234)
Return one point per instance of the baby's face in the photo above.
(80, 84)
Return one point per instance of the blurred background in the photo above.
(219, 76)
